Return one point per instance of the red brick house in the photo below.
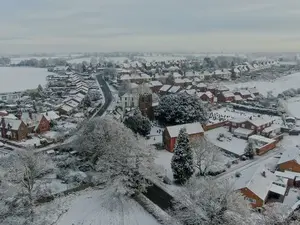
(206, 96)
(256, 124)
(226, 96)
(36, 123)
(290, 160)
(170, 134)
(43, 125)
(13, 129)
(258, 184)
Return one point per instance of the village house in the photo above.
(262, 144)
(201, 87)
(164, 89)
(174, 89)
(257, 185)
(36, 123)
(155, 86)
(255, 124)
(13, 129)
(243, 93)
(293, 178)
(129, 100)
(226, 96)
(170, 134)
(65, 109)
(206, 96)
(290, 160)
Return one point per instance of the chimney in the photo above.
(263, 173)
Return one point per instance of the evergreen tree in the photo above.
(249, 150)
(182, 160)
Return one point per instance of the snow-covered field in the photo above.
(293, 105)
(21, 78)
(230, 113)
(96, 207)
(276, 86)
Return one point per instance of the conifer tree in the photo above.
(182, 160)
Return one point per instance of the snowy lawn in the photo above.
(21, 78)
(229, 142)
(98, 207)
(30, 142)
(276, 86)
(163, 159)
(155, 136)
(230, 113)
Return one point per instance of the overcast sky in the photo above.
(149, 25)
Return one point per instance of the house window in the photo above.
(125, 104)
(243, 125)
(234, 124)
(4, 97)
(252, 127)
(125, 98)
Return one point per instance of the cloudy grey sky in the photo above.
(149, 25)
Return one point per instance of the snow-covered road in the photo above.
(96, 207)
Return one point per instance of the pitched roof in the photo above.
(191, 128)
(51, 115)
(166, 87)
(289, 155)
(259, 121)
(174, 89)
(228, 94)
(15, 124)
(253, 179)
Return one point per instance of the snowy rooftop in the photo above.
(155, 83)
(253, 179)
(228, 94)
(260, 138)
(241, 130)
(287, 174)
(174, 89)
(165, 87)
(191, 128)
(290, 154)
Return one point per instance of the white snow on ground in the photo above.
(51, 134)
(155, 136)
(229, 142)
(30, 142)
(276, 86)
(96, 207)
(293, 105)
(163, 159)
(230, 113)
(21, 78)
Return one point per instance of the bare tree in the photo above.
(122, 158)
(206, 202)
(207, 156)
(24, 172)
